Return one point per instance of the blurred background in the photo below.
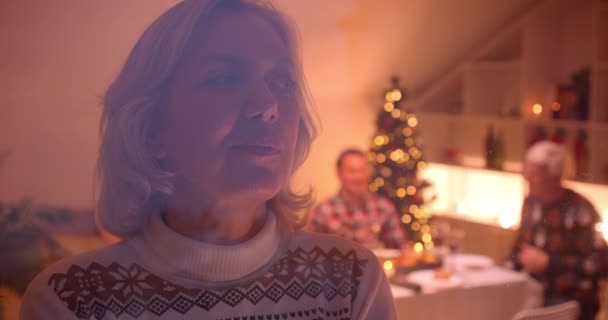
(479, 77)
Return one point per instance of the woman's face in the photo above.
(230, 121)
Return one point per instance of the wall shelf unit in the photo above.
(523, 65)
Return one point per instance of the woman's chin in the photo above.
(262, 188)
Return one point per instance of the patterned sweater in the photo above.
(578, 257)
(163, 275)
(374, 225)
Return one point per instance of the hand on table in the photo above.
(533, 259)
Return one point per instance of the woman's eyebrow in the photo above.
(224, 59)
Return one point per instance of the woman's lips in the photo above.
(258, 150)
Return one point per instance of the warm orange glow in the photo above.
(397, 155)
(396, 113)
(389, 96)
(396, 95)
(380, 158)
(406, 219)
(411, 190)
(389, 106)
(388, 265)
(379, 140)
(556, 106)
(426, 238)
(408, 131)
(418, 247)
(412, 122)
(409, 142)
(400, 192)
(537, 109)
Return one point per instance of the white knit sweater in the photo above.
(163, 275)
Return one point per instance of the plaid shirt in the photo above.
(578, 256)
(374, 225)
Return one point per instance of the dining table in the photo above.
(477, 289)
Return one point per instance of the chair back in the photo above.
(563, 311)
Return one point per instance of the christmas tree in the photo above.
(396, 153)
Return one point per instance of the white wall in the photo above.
(58, 56)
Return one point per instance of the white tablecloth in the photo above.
(494, 293)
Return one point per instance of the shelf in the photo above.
(518, 172)
(496, 65)
(566, 124)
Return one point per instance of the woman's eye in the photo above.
(224, 80)
(283, 84)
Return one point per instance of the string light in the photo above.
(389, 106)
(396, 95)
(416, 226)
(379, 140)
(389, 96)
(396, 113)
(401, 192)
(380, 158)
(409, 142)
(412, 122)
(396, 155)
(426, 238)
(418, 247)
(537, 109)
(406, 218)
(411, 190)
(425, 229)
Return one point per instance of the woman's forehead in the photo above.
(235, 37)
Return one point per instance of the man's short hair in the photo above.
(348, 152)
(548, 153)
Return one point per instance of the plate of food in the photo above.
(412, 261)
(469, 262)
(437, 279)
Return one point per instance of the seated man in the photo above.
(355, 213)
(557, 242)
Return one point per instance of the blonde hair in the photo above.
(131, 182)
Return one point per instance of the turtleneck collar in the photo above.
(212, 262)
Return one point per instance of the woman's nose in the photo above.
(262, 104)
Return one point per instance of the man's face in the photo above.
(354, 174)
(540, 179)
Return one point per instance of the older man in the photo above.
(557, 242)
(354, 213)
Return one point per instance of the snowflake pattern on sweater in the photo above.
(96, 290)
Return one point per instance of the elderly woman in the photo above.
(200, 134)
